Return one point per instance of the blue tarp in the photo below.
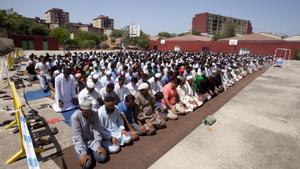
(67, 116)
(36, 94)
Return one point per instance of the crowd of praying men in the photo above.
(120, 96)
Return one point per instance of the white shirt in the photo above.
(43, 68)
(182, 93)
(190, 90)
(65, 89)
(133, 89)
(92, 97)
(122, 92)
(98, 86)
(104, 81)
(111, 124)
(156, 86)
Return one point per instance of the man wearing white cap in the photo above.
(132, 86)
(184, 97)
(89, 93)
(146, 107)
(121, 90)
(97, 83)
(101, 73)
(155, 83)
(107, 78)
(109, 91)
(86, 136)
(191, 91)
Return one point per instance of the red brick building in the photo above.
(31, 42)
(258, 43)
(211, 24)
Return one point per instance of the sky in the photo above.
(174, 16)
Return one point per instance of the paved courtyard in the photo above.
(257, 129)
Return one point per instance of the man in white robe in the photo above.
(89, 93)
(112, 126)
(191, 92)
(184, 98)
(107, 78)
(132, 86)
(98, 85)
(121, 90)
(65, 92)
(155, 83)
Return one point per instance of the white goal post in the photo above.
(283, 53)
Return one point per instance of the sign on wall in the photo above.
(176, 48)
(134, 31)
(233, 42)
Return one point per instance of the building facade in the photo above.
(33, 42)
(257, 43)
(57, 16)
(103, 22)
(74, 27)
(211, 24)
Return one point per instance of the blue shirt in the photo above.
(164, 80)
(129, 112)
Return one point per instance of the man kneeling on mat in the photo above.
(112, 126)
(87, 137)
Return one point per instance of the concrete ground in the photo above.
(257, 129)
(10, 143)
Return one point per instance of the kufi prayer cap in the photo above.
(190, 77)
(143, 86)
(158, 75)
(85, 105)
(95, 76)
(90, 84)
(108, 73)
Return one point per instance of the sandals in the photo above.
(37, 125)
(4, 96)
(42, 141)
(54, 131)
(42, 106)
(150, 128)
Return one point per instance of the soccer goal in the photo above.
(284, 54)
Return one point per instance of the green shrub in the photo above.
(297, 54)
(104, 45)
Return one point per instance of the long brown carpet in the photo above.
(148, 149)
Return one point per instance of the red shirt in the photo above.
(170, 93)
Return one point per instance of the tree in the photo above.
(143, 41)
(62, 34)
(217, 36)
(297, 54)
(89, 39)
(196, 32)
(229, 31)
(9, 21)
(113, 39)
(13, 23)
(87, 44)
(117, 33)
(38, 29)
(164, 35)
(183, 33)
(104, 45)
